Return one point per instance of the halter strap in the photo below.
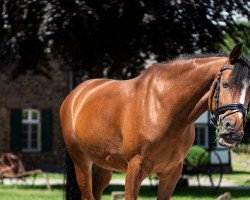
(234, 107)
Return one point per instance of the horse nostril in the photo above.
(229, 125)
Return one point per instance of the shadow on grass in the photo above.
(203, 192)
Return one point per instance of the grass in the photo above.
(238, 178)
(240, 162)
(117, 175)
(235, 178)
(146, 193)
(29, 193)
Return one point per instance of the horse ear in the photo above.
(235, 53)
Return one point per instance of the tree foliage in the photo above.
(110, 37)
(240, 37)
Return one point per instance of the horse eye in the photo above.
(225, 85)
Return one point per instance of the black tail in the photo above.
(72, 191)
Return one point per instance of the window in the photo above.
(201, 135)
(31, 130)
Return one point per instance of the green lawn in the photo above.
(240, 161)
(29, 193)
(238, 178)
(146, 193)
(117, 175)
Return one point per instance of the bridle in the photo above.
(234, 107)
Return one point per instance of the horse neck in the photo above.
(190, 82)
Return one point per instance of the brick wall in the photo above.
(37, 92)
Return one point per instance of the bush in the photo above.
(197, 156)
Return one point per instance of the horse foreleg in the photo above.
(167, 182)
(100, 181)
(136, 172)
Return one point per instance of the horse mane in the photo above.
(192, 56)
(240, 72)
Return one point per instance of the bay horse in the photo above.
(146, 125)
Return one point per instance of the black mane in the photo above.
(192, 56)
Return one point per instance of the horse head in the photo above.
(229, 98)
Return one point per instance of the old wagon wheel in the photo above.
(210, 173)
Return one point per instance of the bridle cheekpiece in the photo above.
(234, 107)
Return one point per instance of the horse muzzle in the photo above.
(230, 126)
(230, 139)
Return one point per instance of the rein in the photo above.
(234, 107)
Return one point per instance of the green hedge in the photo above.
(197, 156)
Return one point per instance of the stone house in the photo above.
(29, 118)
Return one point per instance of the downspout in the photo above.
(71, 80)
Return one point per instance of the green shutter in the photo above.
(47, 137)
(16, 129)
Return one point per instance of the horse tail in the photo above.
(72, 190)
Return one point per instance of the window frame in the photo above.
(29, 121)
(205, 126)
